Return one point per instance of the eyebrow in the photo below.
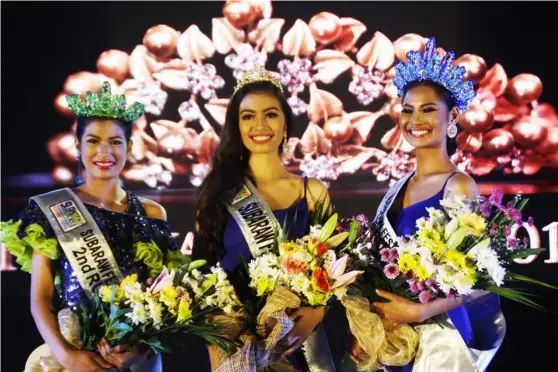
(424, 104)
(267, 109)
(97, 137)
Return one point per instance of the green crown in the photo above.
(105, 105)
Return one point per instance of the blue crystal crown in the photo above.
(430, 66)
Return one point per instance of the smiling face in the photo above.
(425, 117)
(261, 122)
(104, 149)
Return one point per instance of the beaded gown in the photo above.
(124, 232)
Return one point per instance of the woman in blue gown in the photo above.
(258, 122)
(433, 95)
(120, 227)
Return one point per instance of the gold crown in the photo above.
(257, 74)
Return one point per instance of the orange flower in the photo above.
(320, 281)
(320, 249)
(294, 266)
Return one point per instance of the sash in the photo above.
(256, 220)
(260, 229)
(80, 238)
(440, 349)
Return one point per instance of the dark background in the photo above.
(43, 43)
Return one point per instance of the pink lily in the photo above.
(164, 280)
(336, 270)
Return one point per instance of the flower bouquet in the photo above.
(464, 246)
(176, 305)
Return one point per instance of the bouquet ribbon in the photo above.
(395, 348)
(261, 352)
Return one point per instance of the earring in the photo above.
(79, 180)
(452, 130)
(285, 147)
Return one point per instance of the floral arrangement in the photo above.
(176, 304)
(465, 246)
(309, 266)
(506, 129)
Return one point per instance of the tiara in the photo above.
(430, 66)
(257, 74)
(105, 105)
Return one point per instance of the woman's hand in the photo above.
(398, 310)
(356, 353)
(84, 361)
(121, 356)
(306, 319)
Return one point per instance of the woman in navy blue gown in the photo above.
(433, 95)
(258, 122)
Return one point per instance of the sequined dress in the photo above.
(124, 232)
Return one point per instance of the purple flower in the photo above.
(393, 255)
(525, 240)
(424, 297)
(515, 215)
(512, 243)
(531, 222)
(485, 210)
(420, 286)
(510, 205)
(413, 287)
(391, 271)
(493, 231)
(507, 231)
(384, 252)
(431, 283)
(496, 197)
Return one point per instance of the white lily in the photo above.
(336, 270)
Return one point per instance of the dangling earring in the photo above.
(452, 130)
(79, 180)
(285, 147)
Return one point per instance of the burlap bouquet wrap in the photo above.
(383, 348)
(261, 352)
(41, 359)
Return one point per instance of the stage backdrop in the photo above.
(336, 62)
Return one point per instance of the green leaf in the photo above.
(328, 228)
(180, 273)
(522, 204)
(522, 253)
(336, 240)
(197, 264)
(514, 295)
(353, 231)
(526, 279)
(208, 283)
(122, 327)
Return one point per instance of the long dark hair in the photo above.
(229, 168)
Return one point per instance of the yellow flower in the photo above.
(457, 258)
(421, 272)
(474, 221)
(129, 280)
(184, 312)
(168, 297)
(406, 263)
(264, 285)
(106, 293)
(288, 248)
(431, 239)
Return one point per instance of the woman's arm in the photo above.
(42, 290)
